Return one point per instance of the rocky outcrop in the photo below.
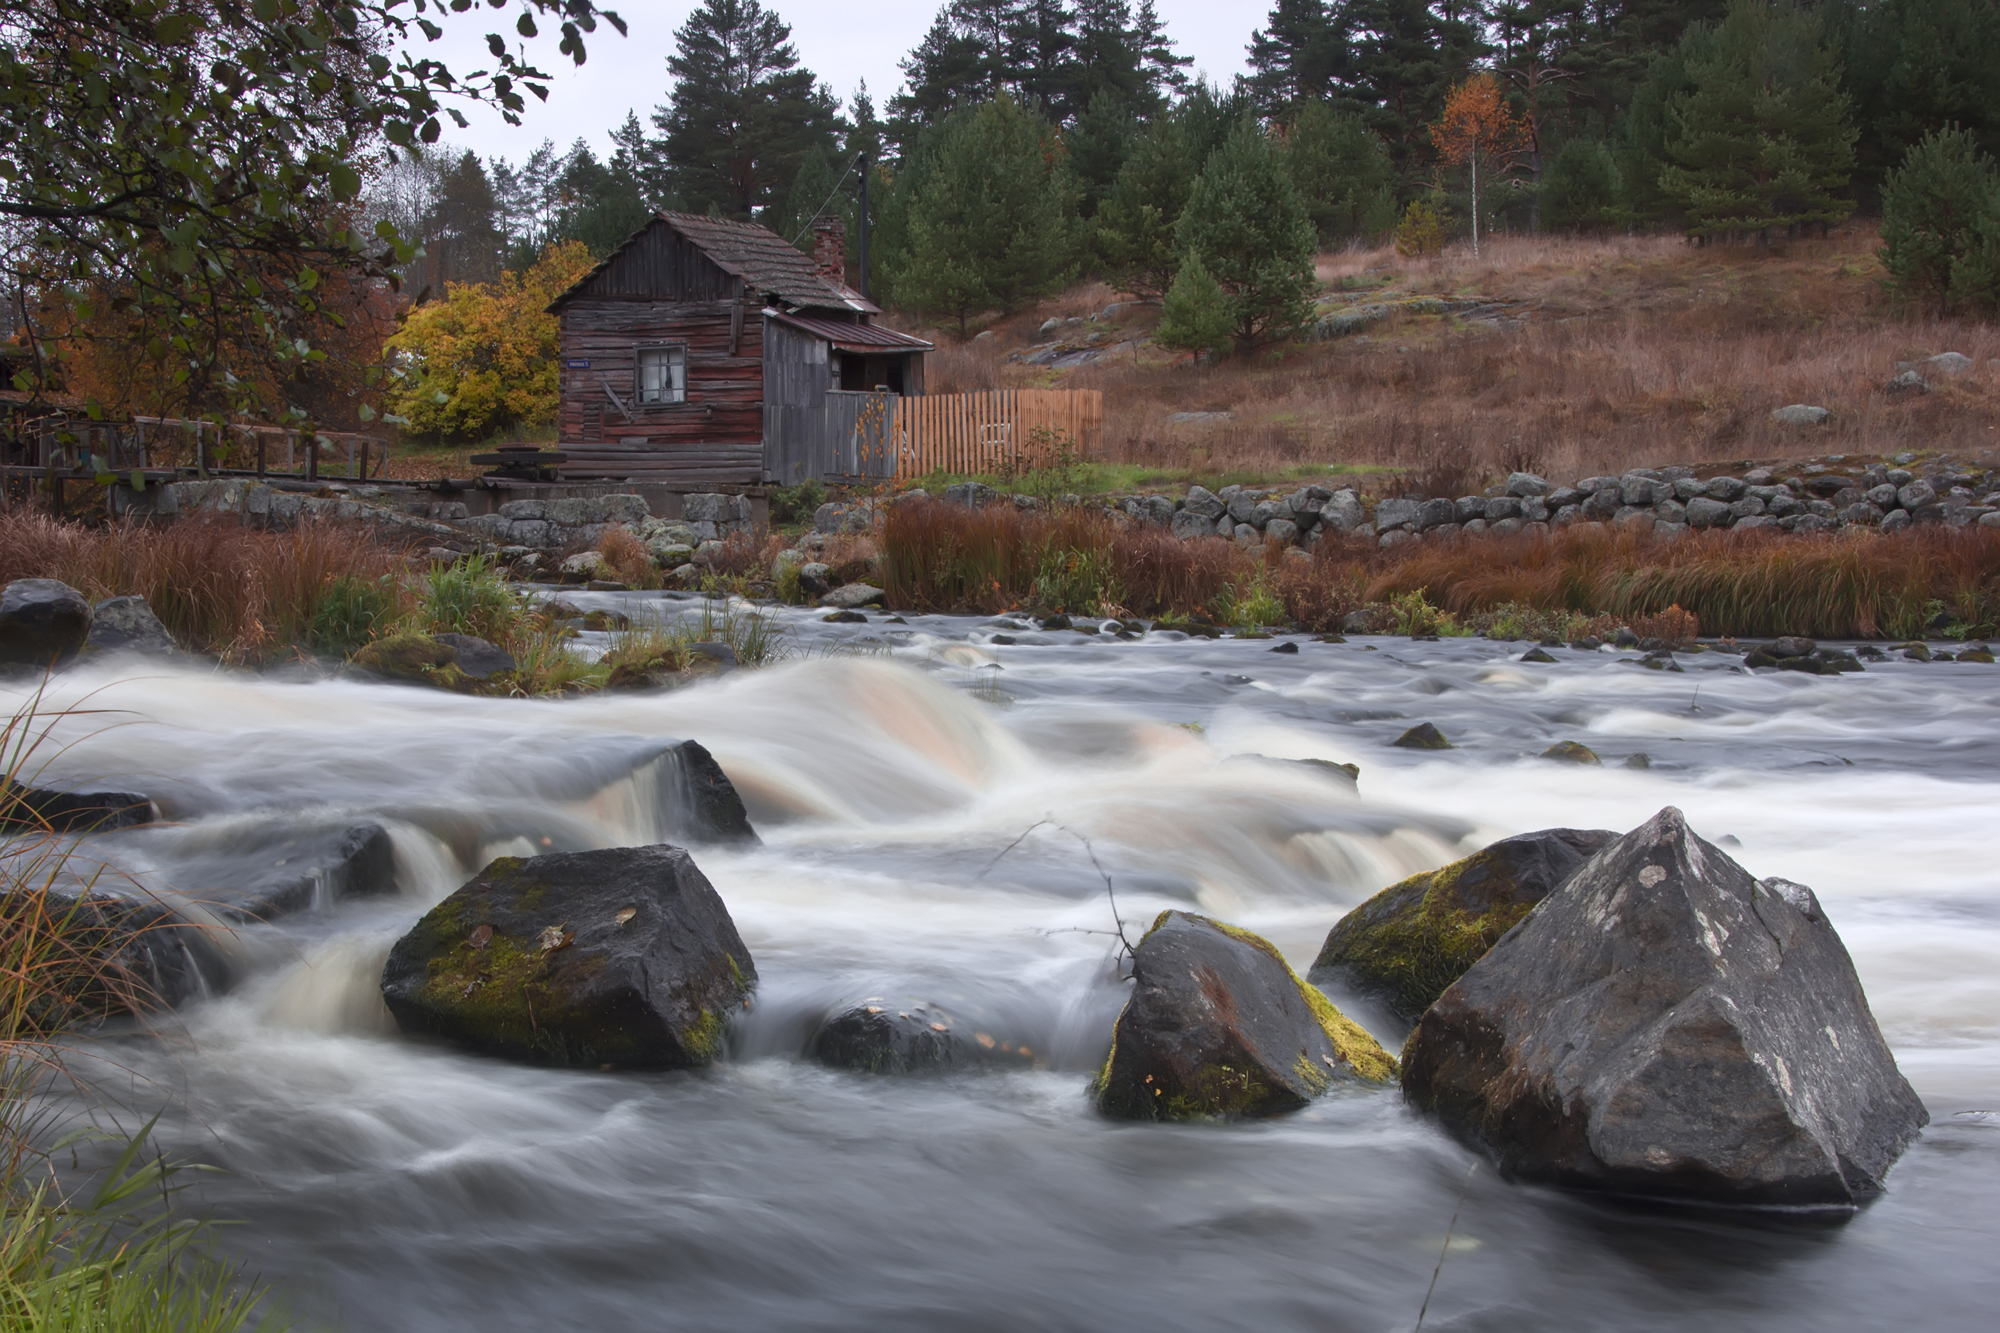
(1409, 942)
(1664, 1024)
(415, 659)
(477, 659)
(261, 872)
(1218, 1025)
(43, 623)
(621, 957)
(25, 807)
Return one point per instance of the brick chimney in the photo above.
(830, 247)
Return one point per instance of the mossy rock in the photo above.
(416, 658)
(1405, 945)
(623, 957)
(1218, 1026)
(1571, 752)
(1423, 736)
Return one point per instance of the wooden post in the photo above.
(312, 457)
(364, 458)
(260, 455)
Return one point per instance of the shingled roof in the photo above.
(754, 253)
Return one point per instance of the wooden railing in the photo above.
(1005, 430)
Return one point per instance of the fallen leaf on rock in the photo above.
(626, 914)
(481, 937)
(939, 1027)
(874, 1009)
(984, 1040)
(553, 938)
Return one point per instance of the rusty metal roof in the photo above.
(855, 337)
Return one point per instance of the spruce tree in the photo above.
(1940, 208)
(1342, 171)
(1763, 139)
(1247, 221)
(990, 224)
(1581, 188)
(743, 113)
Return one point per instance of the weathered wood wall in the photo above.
(795, 385)
(717, 435)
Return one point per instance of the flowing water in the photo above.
(395, 1184)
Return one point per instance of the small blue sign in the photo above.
(578, 365)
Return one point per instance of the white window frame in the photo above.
(674, 361)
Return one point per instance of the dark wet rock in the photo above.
(602, 621)
(1218, 1025)
(1638, 761)
(142, 958)
(621, 957)
(1535, 655)
(1660, 661)
(1286, 647)
(715, 811)
(1666, 1025)
(879, 1038)
(845, 618)
(1915, 652)
(1625, 638)
(25, 807)
(477, 658)
(128, 625)
(1571, 752)
(43, 623)
(1793, 645)
(279, 868)
(1423, 736)
(1347, 775)
(1978, 652)
(1405, 945)
(1056, 622)
(1589, 643)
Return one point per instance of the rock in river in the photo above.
(43, 623)
(625, 956)
(1219, 1025)
(1664, 1024)
(1406, 944)
(913, 1039)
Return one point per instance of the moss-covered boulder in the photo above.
(415, 658)
(620, 957)
(1402, 947)
(1219, 1026)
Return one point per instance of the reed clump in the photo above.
(1854, 583)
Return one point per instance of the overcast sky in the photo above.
(842, 43)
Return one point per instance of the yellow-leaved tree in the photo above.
(1477, 122)
(484, 359)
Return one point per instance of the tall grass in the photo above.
(239, 593)
(1855, 583)
(111, 1253)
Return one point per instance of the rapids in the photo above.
(939, 814)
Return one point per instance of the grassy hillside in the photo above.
(1560, 356)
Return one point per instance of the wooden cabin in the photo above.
(713, 353)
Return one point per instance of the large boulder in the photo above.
(277, 868)
(43, 623)
(1664, 1024)
(1218, 1025)
(128, 625)
(25, 807)
(1405, 945)
(625, 957)
(712, 809)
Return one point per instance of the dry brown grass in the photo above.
(1633, 351)
(219, 588)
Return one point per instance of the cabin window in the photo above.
(662, 374)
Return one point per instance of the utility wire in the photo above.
(824, 202)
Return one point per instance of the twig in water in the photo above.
(1445, 1248)
(1012, 845)
(1117, 921)
(1695, 705)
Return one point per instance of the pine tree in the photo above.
(1107, 60)
(1342, 171)
(1246, 219)
(946, 70)
(1640, 143)
(1164, 69)
(743, 113)
(599, 206)
(1097, 146)
(1939, 209)
(1581, 189)
(1040, 59)
(990, 223)
(1406, 59)
(1913, 66)
(1195, 316)
(1303, 53)
(1136, 219)
(1763, 140)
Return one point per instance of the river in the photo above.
(892, 771)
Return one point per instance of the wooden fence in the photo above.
(1005, 430)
